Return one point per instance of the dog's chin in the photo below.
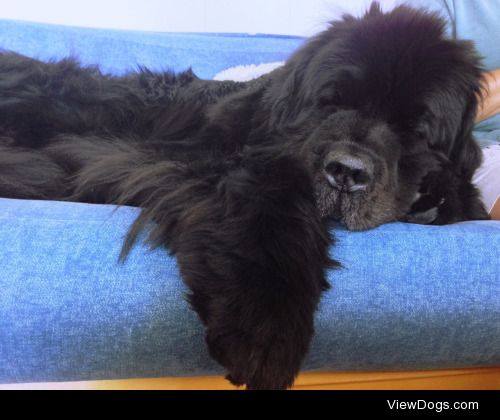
(356, 211)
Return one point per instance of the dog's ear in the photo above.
(466, 153)
(288, 97)
(292, 93)
(459, 114)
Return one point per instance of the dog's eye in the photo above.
(330, 98)
(420, 134)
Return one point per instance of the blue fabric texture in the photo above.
(117, 51)
(408, 297)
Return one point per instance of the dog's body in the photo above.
(370, 122)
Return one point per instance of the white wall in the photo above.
(297, 17)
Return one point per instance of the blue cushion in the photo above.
(120, 51)
(409, 297)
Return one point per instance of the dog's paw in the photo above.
(425, 209)
(257, 362)
(426, 217)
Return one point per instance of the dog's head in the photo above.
(375, 105)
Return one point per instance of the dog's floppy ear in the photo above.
(292, 92)
(465, 153)
(288, 98)
(454, 111)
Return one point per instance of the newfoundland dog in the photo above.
(369, 122)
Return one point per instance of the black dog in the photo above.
(370, 122)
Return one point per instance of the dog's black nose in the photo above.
(348, 173)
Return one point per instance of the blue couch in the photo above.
(408, 297)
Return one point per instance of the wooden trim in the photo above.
(469, 379)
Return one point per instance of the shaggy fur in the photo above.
(368, 123)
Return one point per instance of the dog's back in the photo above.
(55, 117)
(40, 100)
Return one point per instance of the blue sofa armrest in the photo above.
(408, 297)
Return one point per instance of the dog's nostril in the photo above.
(348, 173)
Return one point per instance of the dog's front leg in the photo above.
(250, 245)
(254, 256)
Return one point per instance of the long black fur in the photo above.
(231, 176)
